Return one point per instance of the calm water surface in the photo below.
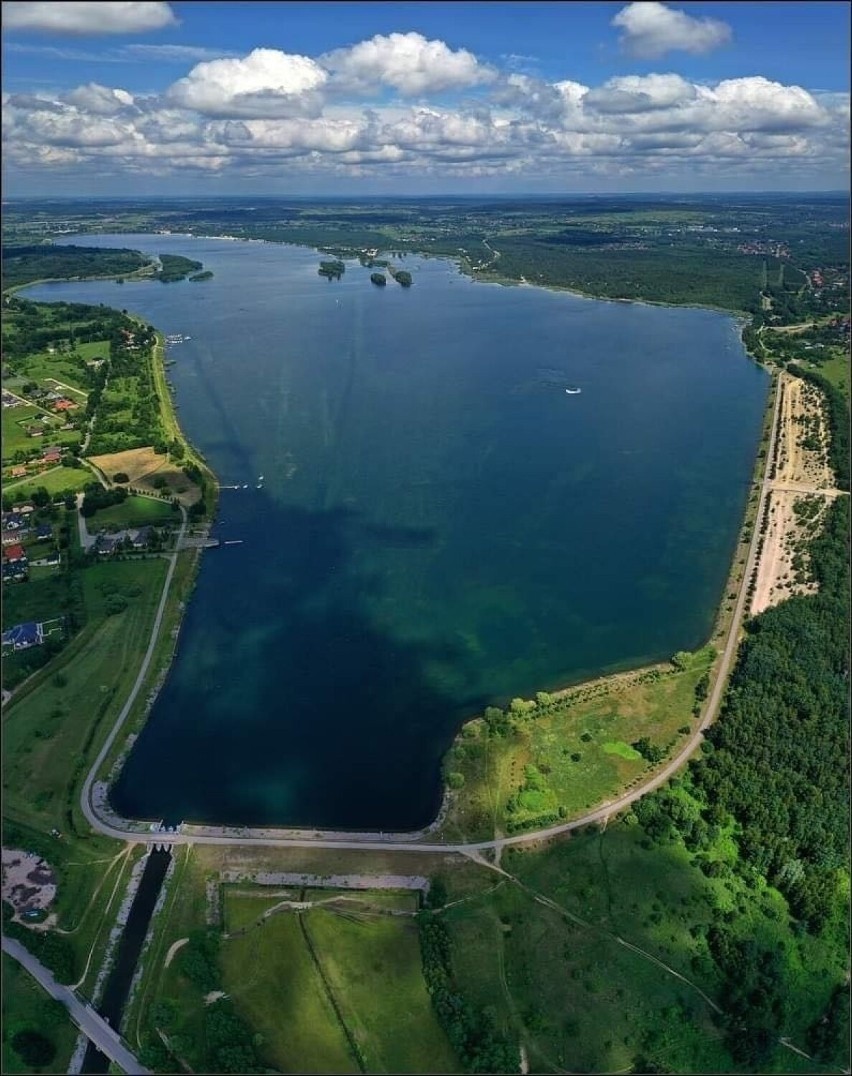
(440, 525)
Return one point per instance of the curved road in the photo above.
(408, 842)
(93, 1026)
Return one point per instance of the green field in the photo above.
(134, 512)
(57, 481)
(275, 985)
(282, 975)
(836, 370)
(318, 989)
(51, 726)
(541, 762)
(15, 436)
(26, 1007)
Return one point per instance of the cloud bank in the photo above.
(400, 105)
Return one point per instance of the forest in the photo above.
(24, 264)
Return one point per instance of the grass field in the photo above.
(836, 370)
(372, 966)
(270, 975)
(557, 760)
(275, 984)
(57, 481)
(134, 512)
(50, 727)
(26, 1007)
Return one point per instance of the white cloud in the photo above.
(640, 93)
(264, 83)
(100, 100)
(651, 29)
(102, 17)
(407, 63)
(756, 104)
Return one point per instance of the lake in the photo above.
(440, 524)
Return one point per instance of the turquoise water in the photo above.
(440, 525)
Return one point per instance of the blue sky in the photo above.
(450, 97)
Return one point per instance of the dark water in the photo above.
(129, 949)
(440, 524)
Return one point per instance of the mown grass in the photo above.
(568, 755)
(27, 1007)
(373, 967)
(134, 512)
(276, 986)
(57, 481)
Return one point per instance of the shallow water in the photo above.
(440, 524)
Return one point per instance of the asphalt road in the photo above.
(402, 843)
(93, 1026)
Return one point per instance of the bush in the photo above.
(120, 476)
(33, 1048)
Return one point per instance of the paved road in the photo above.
(86, 794)
(93, 1026)
(405, 842)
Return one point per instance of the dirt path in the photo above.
(174, 948)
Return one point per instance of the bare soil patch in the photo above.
(29, 883)
(802, 483)
(143, 466)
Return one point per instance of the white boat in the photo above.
(573, 392)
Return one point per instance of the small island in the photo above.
(332, 270)
(379, 278)
(175, 267)
(401, 276)
(206, 275)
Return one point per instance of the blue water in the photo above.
(440, 525)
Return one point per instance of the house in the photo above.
(141, 539)
(18, 472)
(24, 509)
(14, 552)
(14, 572)
(106, 544)
(44, 533)
(23, 636)
(51, 455)
(15, 534)
(65, 405)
